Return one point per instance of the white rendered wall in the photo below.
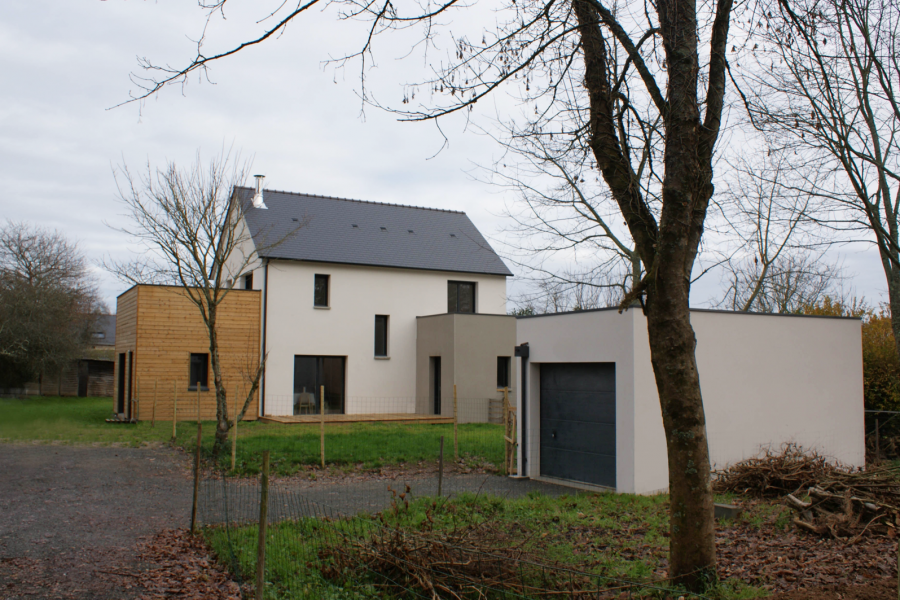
(347, 327)
(598, 336)
(766, 380)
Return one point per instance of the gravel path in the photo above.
(70, 516)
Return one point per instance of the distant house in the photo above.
(92, 374)
(389, 307)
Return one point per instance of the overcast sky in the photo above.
(65, 63)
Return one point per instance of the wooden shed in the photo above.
(162, 352)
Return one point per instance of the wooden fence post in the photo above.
(506, 450)
(455, 423)
(174, 407)
(153, 417)
(234, 437)
(322, 423)
(196, 480)
(263, 523)
(441, 467)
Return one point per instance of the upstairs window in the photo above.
(199, 372)
(460, 297)
(248, 281)
(503, 363)
(381, 335)
(320, 295)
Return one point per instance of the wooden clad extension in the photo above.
(157, 330)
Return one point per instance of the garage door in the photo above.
(578, 422)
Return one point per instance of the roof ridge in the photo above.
(446, 210)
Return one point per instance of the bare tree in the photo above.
(824, 76)
(776, 262)
(623, 70)
(188, 222)
(48, 303)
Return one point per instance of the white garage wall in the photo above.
(595, 336)
(766, 380)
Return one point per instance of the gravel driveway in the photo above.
(70, 516)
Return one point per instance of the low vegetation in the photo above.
(615, 538)
(293, 447)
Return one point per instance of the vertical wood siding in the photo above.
(165, 328)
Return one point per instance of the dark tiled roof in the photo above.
(105, 325)
(368, 233)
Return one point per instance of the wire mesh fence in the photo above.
(308, 548)
(882, 435)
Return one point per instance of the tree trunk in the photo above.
(692, 550)
(668, 251)
(222, 423)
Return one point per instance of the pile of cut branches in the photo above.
(830, 500)
(468, 561)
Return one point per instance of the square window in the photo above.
(461, 297)
(503, 364)
(320, 295)
(381, 335)
(199, 372)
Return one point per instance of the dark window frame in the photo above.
(453, 303)
(203, 377)
(382, 349)
(504, 372)
(316, 296)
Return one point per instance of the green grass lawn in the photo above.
(615, 536)
(371, 445)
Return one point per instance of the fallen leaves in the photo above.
(181, 565)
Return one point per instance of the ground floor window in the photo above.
(313, 372)
(199, 372)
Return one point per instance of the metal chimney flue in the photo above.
(258, 198)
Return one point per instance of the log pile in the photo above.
(828, 500)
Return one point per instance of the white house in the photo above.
(589, 409)
(343, 296)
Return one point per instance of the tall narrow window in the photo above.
(320, 296)
(460, 296)
(199, 372)
(248, 281)
(503, 363)
(381, 335)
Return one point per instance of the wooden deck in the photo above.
(362, 418)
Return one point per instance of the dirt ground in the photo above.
(70, 517)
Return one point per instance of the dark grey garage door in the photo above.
(578, 422)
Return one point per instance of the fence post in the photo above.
(322, 423)
(153, 417)
(441, 467)
(174, 407)
(506, 429)
(455, 433)
(196, 480)
(234, 437)
(263, 522)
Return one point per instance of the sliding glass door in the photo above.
(310, 374)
